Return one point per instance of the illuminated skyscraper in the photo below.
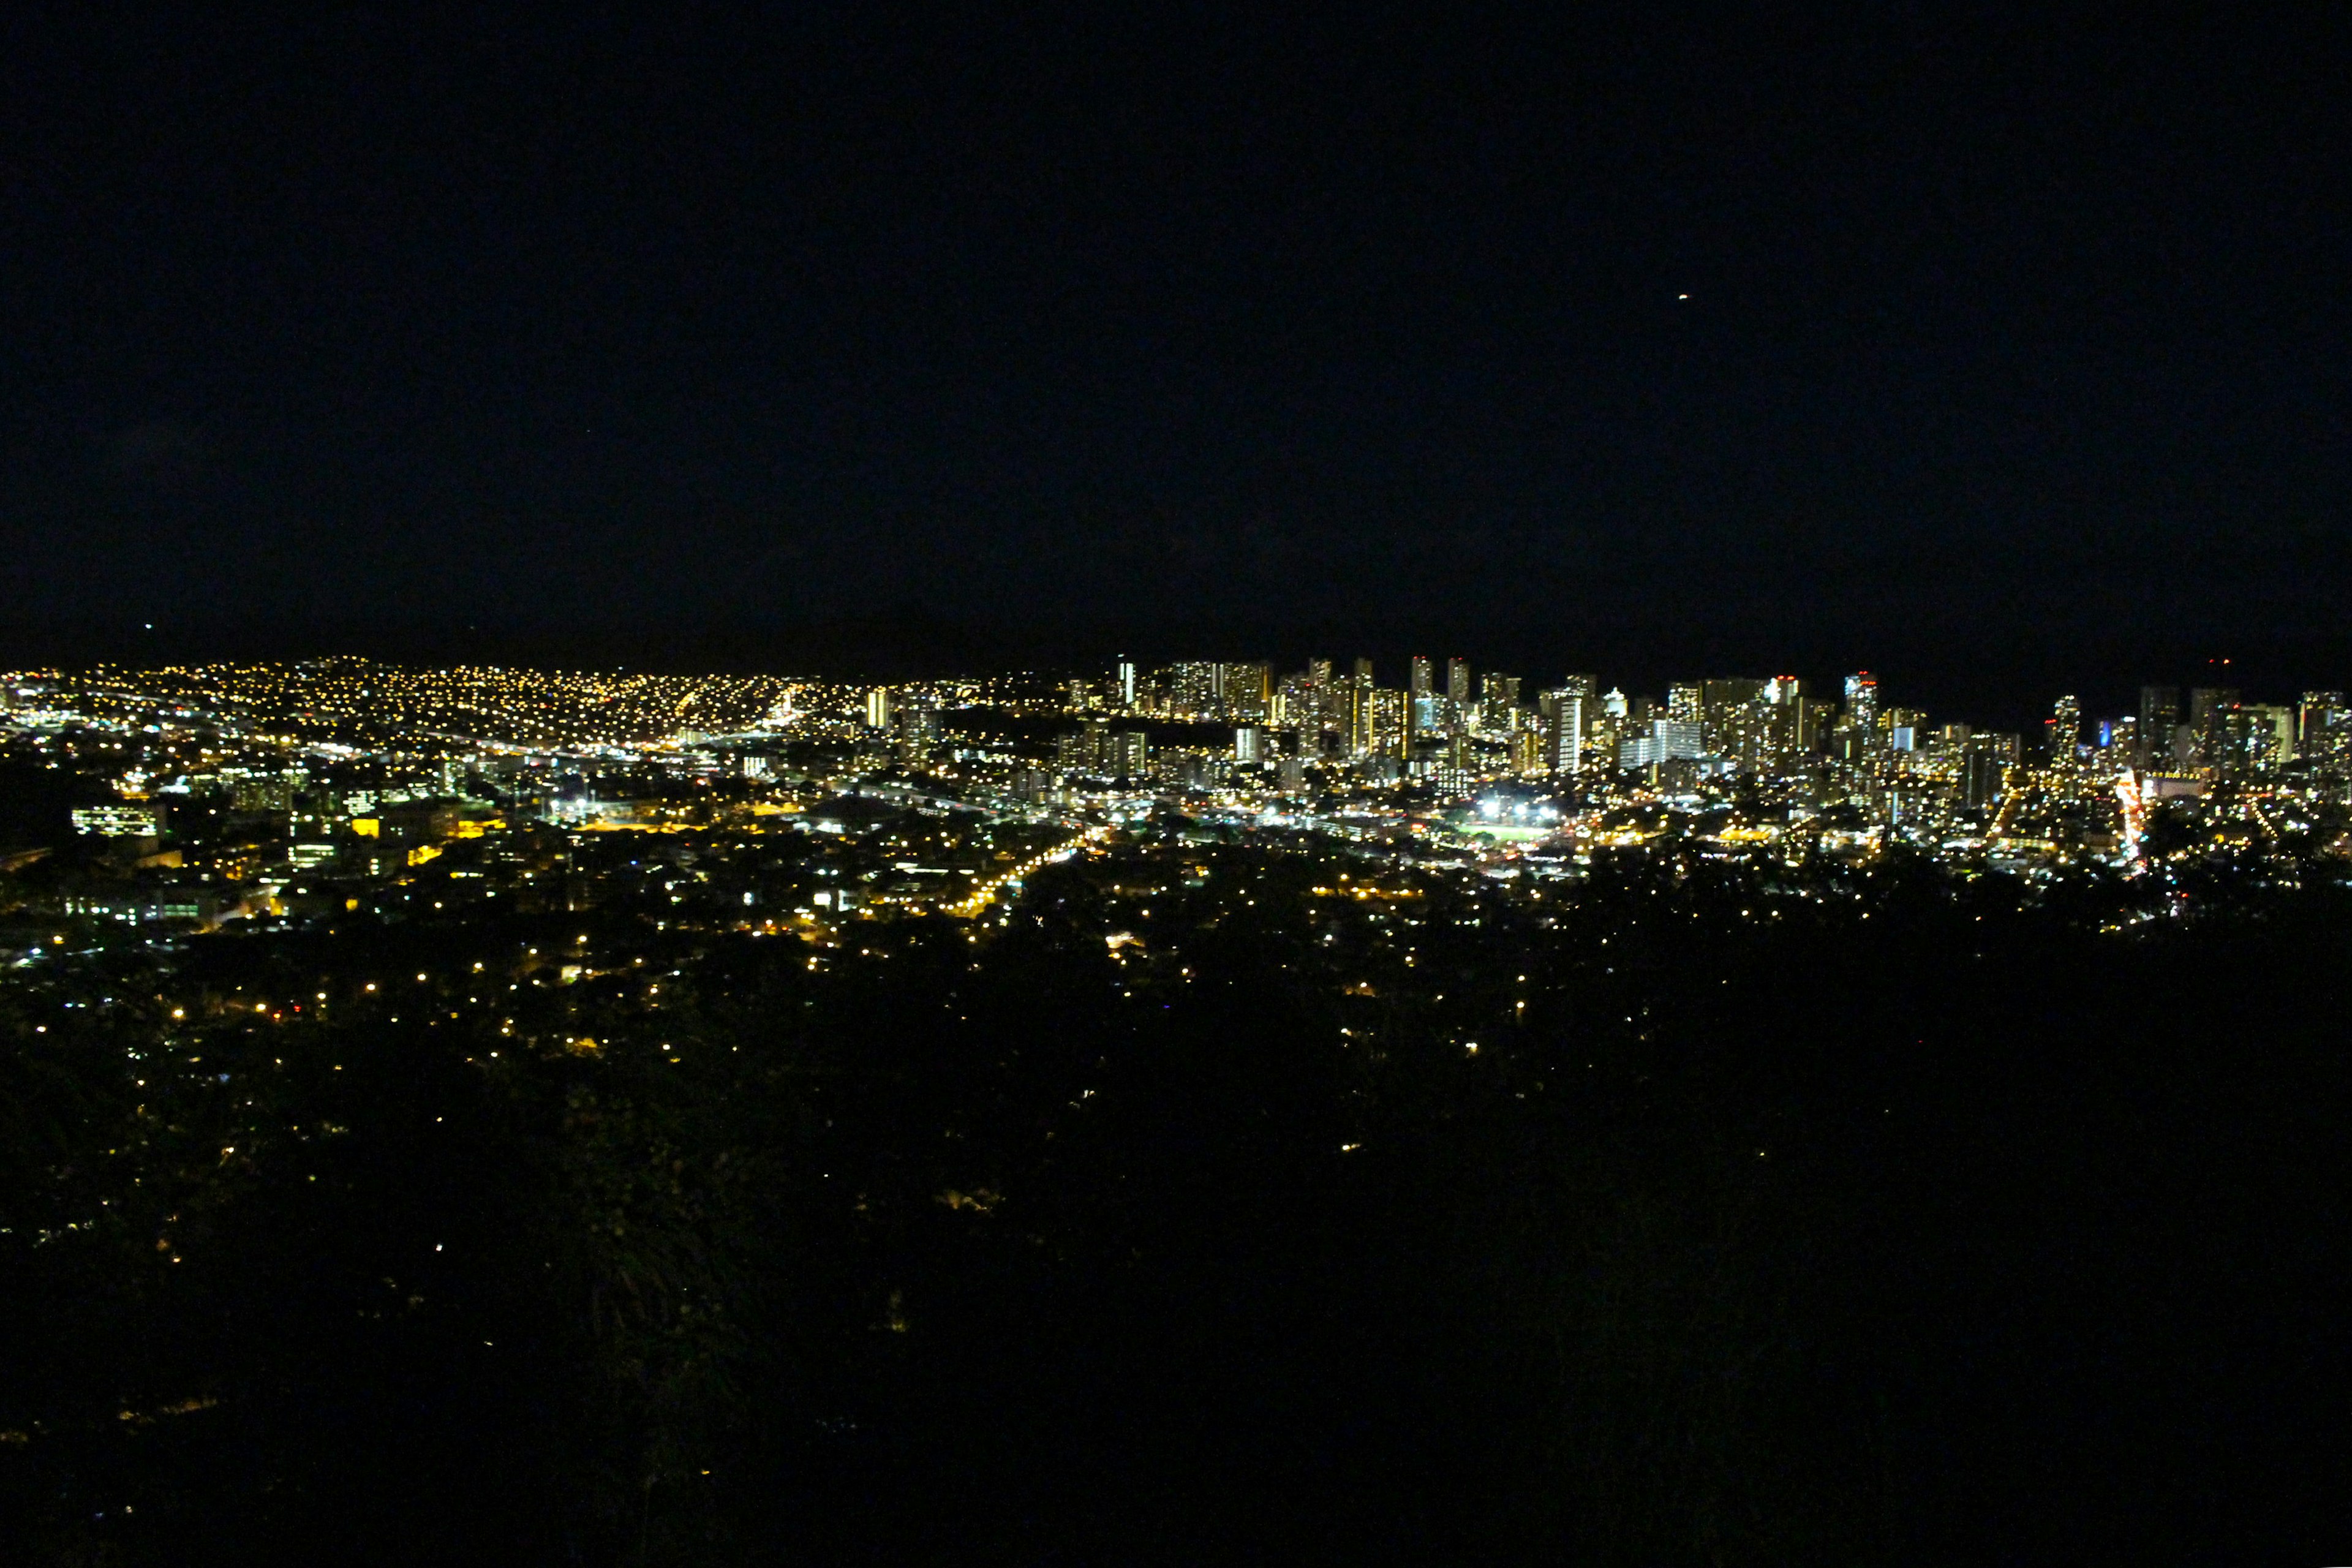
(1498, 692)
(2270, 737)
(1686, 702)
(1984, 771)
(2208, 708)
(1421, 675)
(1458, 683)
(1362, 720)
(2323, 726)
(1389, 726)
(1197, 687)
(2159, 715)
(877, 708)
(1861, 701)
(1564, 732)
(1127, 683)
(1248, 687)
(1678, 740)
(2065, 727)
(918, 732)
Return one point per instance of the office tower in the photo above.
(877, 708)
(2160, 713)
(1421, 686)
(1249, 746)
(2065, 731)
(1564, 734)
(1686, 702)
(1363, 719)
(1727, 692)
(1636, 749)
(1127, 683)
(1248, 689)
(1458, 683)
(1498, 693)
(1196, 685)
(1389, 721)
(918, 731)
(1081, 752)
(2321, 729)
(2253, 740)
(1678, 740)
(1861, 701)
(1733, 711)
(1984, 770)
(2206, 705)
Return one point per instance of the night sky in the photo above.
(1583, 334)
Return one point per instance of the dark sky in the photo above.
(1761, 328)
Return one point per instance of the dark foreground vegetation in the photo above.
(1839, 1219)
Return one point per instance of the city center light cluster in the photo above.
(342, 788)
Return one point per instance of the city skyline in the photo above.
(1204, 785)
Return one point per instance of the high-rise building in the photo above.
(1498, 693)
(1363, 719)
(2269, 742)
(1678, 740)
(1984, 769)
(1421, 675)
(1388, 728)
(877, 708)
(1458, 683)
(2316, 714)
(1861, 701)
(1733, 713)
(1127, 683)
(1686, 702)
(2160, 714)
(1731, 691)
(1564, 732)
(2065, 726)
(918, 731)
(1249, 746)
(1248, 689)
(2207, 706)
(1197, 687)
